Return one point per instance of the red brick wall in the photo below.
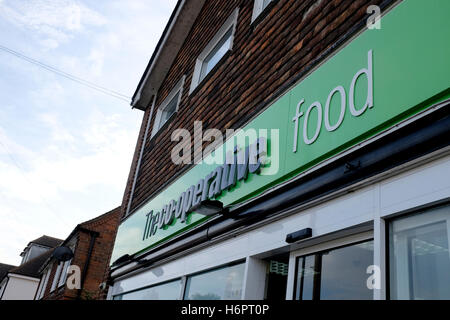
(264, 58)
(98, 267)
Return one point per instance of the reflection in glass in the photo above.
(169, 110)
(419, 256)
(266, 3)
(306, 275)
(337, 274)
(167, 291)
(222, 284)
(216, 54)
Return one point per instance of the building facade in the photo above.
(39, 246)
(91, 243)
(291, 149)
(21, 282)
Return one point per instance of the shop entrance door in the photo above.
(276, 277)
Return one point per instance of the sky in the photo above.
(65, 149)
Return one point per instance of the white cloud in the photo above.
(57, 168)
(55, 20)
(58, 132)
(49, 194)
(72, 147)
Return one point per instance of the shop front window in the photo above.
(336, 274)
(167, 291)
(221, 284)
(419, 256)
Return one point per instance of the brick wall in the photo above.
(98, 267)
(266, 56)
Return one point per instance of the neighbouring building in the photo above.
(39, 246)
(21, 282)
(4, 269)
(91, 243)
(337, 186)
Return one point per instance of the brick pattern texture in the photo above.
(281, 46)
(98, 267)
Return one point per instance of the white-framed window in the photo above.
(419, 259)
(215, 50)
(63, 277)
(56, 277)
(169, 106)
(259, 7)
(43, 284)
(335, 269)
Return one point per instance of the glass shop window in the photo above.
(336, 274)
(419, 261)
(220, 284)
(166, 291)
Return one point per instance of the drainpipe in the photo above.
(93, 235)
(138, 165)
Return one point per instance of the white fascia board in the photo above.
(172, 41)
(19, 276)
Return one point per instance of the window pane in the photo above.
(167, 291)
(221, 284)
(305, 278)
(419, 256)
(344, 273)
(335, 274)
(56, 277)
(169, 110)
(216, 54)
(265, 3)
(63, 277)
(44, 285)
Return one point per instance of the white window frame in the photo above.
(44, 283)
(63, 276)
(422, 218)
(314, 249)
(229, 24)
(258, 8)
(177, 89)
(56, 277)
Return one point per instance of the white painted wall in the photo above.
(20, 288)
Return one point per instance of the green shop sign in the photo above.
(379, 79)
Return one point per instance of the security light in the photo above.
(299, 235)
(62, 253)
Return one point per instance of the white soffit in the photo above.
(174, 35)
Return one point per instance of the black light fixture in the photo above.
(299, 235)
(209, 207)
(62, 253)
(122, 259)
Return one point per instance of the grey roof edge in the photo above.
(46, 241)
(4, 270)
(32, 267)
(171, 41)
